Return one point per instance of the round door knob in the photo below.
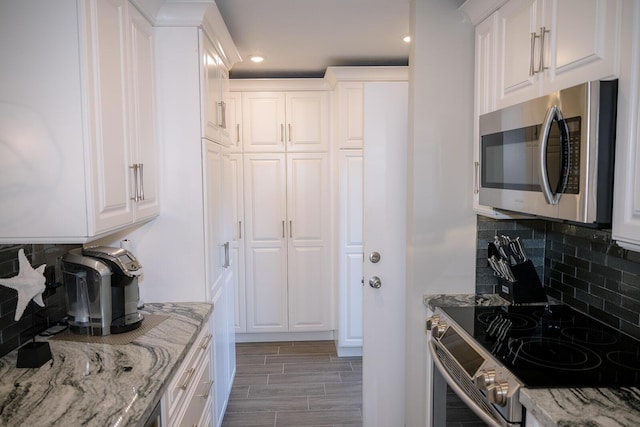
(497, 393)
(374, 257)
(485, 379)
(375, 282)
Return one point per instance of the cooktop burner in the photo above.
(553, 346)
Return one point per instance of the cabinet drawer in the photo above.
(185, 378)
(199, 400)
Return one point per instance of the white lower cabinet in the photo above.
(287, 242)
(188, 397)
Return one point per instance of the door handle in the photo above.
(375, 282)
(374, 257)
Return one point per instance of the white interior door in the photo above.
(385, 201)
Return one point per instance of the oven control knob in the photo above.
(438, 330)
(432, 322)
(485, 378)
(497, 393)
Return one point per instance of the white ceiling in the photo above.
(301, 38)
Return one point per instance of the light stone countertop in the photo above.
(562, 407)
(100, 384)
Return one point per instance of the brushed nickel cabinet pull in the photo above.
(281, 132)
(532, 49)
(290, 132)
(136, 194)
(283, 236)
(190, 373)
(141, 174)
(239, 230)
(541, 66)
(290, 229)
(238, 132)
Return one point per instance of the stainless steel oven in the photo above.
(486, 355)
(552, 156)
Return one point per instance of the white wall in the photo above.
(441, 224)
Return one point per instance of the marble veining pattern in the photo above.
(100, 384)
(580, 407)
(462, 300)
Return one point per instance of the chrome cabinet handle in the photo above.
(290, 229)
(290, 132)
(476, 178)
(541, 66)
(206, 342)
(281, 132)
(136, 193)
(226, 263)
(141, 175)
(223, 125)
(283, 236)
(206, 395)
(190, 373)
(239, 230)
(238, 132)
(532, 49)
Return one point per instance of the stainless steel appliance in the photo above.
(487, 354)
(552, 156)
(101, 289)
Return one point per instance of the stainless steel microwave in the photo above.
(552, 156)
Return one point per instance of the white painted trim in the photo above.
(277, 85)
(285, 336)
(366, 74)
(349, 351)
(478, 10)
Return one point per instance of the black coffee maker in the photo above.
(101, 289)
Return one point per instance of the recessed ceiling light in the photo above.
(406, 39)
(256, 58)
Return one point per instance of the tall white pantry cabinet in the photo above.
(286, 177)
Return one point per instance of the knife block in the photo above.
(526, 289)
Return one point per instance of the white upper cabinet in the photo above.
(626, 196)
(547, 45)
(78, 156)
(215, 87)
(285, 121)
(350, 114)
(485, 100)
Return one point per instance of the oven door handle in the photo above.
(554, 113)
(487, 418)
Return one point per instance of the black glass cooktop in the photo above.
(553, 346)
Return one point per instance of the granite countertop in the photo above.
(100, 384)
(561, 407)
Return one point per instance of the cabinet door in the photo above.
(351, 255)
(233, 101)
(307, 121)
(265, 242)
(349, 114)
(308, 231)
(144, 151)
(213, 213)
(485, 99)
(234, 204)
(516, 55)
(583, 41)
(263, 121)
(626, 196)
(107, 39)
(211, 96)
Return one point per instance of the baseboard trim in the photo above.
(349, 351)
(285, 336)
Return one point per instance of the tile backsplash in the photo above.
(35, 318)
(581, 267)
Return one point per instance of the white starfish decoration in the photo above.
(29, 283)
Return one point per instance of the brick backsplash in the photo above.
(580, 266)
(35, 318)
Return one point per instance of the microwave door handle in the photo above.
(552, 113)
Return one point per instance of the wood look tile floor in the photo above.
(302, 383)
